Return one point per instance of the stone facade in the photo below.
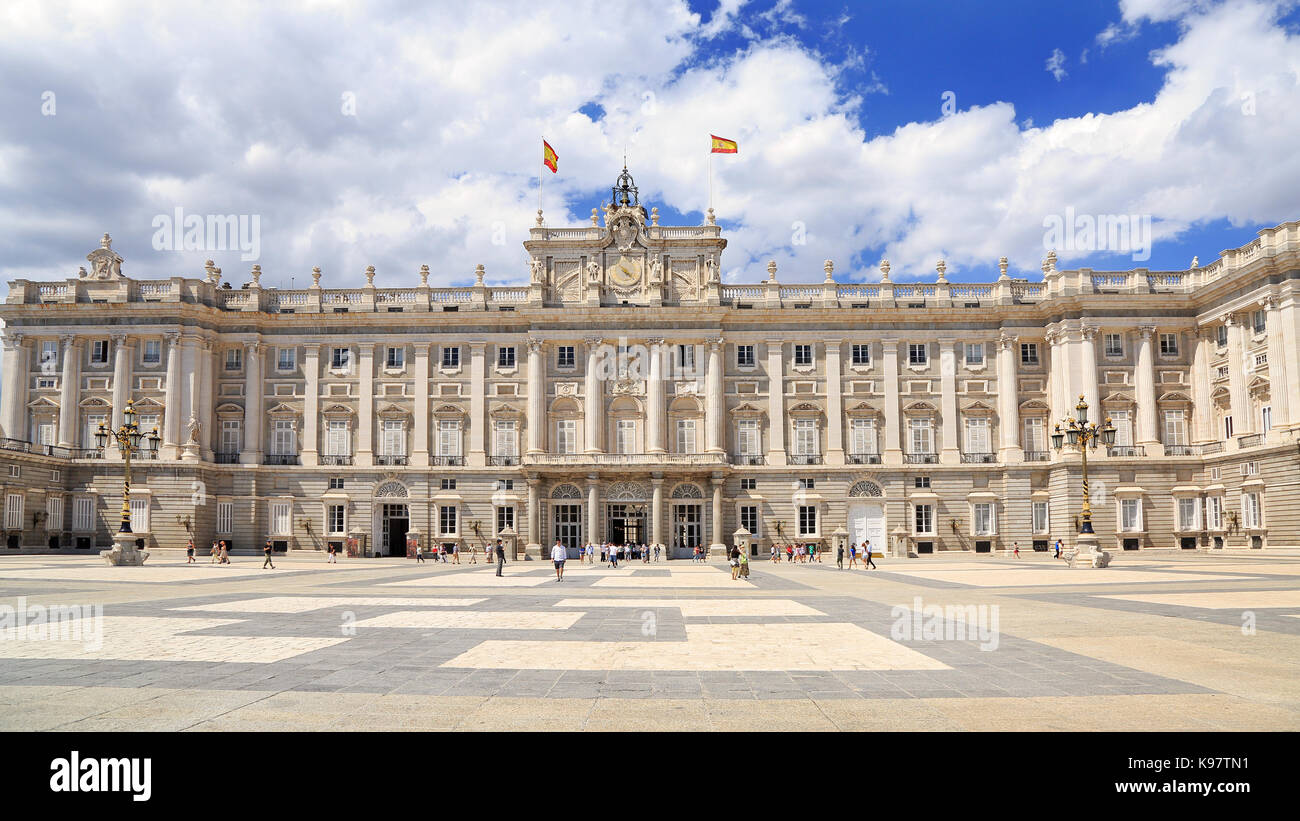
(626, 392)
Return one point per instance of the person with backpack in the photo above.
(267, 550)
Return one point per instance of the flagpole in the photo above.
(710, 163)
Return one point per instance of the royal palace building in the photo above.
(626, 394)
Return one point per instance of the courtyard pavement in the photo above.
(1155, 642)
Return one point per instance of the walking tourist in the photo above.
(853, 555)
(1015, 549)
(558, 554)
(744, 565)
(225, 553)
(501, 556)
(267, 551)
(455, 552)
(189, 552)
(657, 548)
(866, 552)
(331, 554)
(1058, 549)
(216, 552)
(733, 558)
(419, 554)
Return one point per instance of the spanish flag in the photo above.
(723, 146)
(549, 158)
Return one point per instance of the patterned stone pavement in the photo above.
(1160, 642)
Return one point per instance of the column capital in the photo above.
(173, 339)
(120, 337)
(593, 341)
(1089, 332)
(72, 340)
(654, 341)
(253, 348)
(1147, 331)
(1006, 342)
(716, 343)
(1268, 302)
(1230, 319)
(535, 344)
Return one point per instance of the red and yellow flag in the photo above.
(549, 158)
(722, 145)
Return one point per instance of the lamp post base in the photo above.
(124, 552)
(1088, 553)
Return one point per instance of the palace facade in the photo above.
(626, 393)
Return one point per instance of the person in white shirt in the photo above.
(558, 554)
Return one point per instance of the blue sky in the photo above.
(399, 134)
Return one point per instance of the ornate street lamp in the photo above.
(1084, 435)
(128, 438)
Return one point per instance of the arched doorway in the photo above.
(394, 519)
(626, 521)
(687, 521)
(866, 515)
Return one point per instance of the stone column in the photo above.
(717, 516)
(1144, 380)
(1242, 418)
(656, 513)
(594, 420)
(1278, 367)
(1202, 408)
(893, 453)
(593, 508)
(1009, 449)
(13, 401)
(70, 384)
(834, 405)
(477, 404)
(1088, 371)
(205, 414)
(534, 545)
(253, 410)
(310, 446)
(714, 400)
(122, 347)
(366, 405)
(951, 453)
(536, 398)
(775, 403)
(420, 450)
(1289, 319)
(1058, 389)
(655, 398)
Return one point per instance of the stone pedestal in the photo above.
(125, 551)
(1088, 553)
(190, 453)
(533, 552)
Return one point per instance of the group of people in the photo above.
(798, 553)
(1015, 549)
(612, 554)
(854, 552)
(739, 563)
(220, 552)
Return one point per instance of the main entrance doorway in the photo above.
(687, 529)
(867, 521)
(568, 526)
(626, 524)
(395, 522)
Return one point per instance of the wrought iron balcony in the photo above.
(977, 458)
(227, 457)
(335, 459)
(806, 459)
(921, 458)
(1182, 450)
(391, 460)
(87, 453)
(1038, 456)
(448, 461)
(863, 458)
(20, 445)
(1250, 440)
(1128, 450)
(626, 459)
(748, 459)
(280, 459)
(503, 460)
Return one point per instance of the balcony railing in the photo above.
(806, 459)
(280, 459)
(335, 459)
(503, 460)
(921, 458)
(626, 459)
(1128, 450)
(1212, 447)
(20, 445)
(863, 458)
(977, 458)
(748, 459)
(87, 453)
(228, 457)
(390, 460)
(1182, 450)
(1037, 456)
(1250, 440)
(448, 461)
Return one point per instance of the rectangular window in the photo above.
(334, 519)
(1114, 345)
(924, 519)
(281, 519)
(564, 357)
(505, 439)
(83, 514)
(1035, 434)
(1187, 510)
(861, 354)
(1175, 428)
(505, 518)
(93, 421)
(53, 513)
(686, 357)
(1123, 429)
(14, 511)
(1214, 512)
(921, 482)
(807, 484)
(234, 359)
(807, 520)
(1227, 427)
(394, 443)
(45, 433)
(862, 436)
(984, 519)
(340, 357)
(505, 484)
(747, 437)
(336, 483)
(974, 353)
(448, 484)
(977, 436)
(152, 352)
(748, 484)
(802, 354)
(49, 360)
(1028, 353)
(745, 356)
(921, 435)
(225, 517)
(286, 359)
(451, 357)
(1221, 336)
(625, 436)
(231, 436)
(99, 352)
(805, 437)
(685, 435)
(140, 515)
(395, 357)
(1259, 321)
(56, 476)
(448, 437)
(1266, 419)
(566, 436)
(506, 356)
(1130, 515)
(1169, 344)
(749, 518)
(447, 520)
(284, 439)
(917, 353)
(1039, 516)
(1250, 510)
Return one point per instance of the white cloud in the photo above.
(1056, 64)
